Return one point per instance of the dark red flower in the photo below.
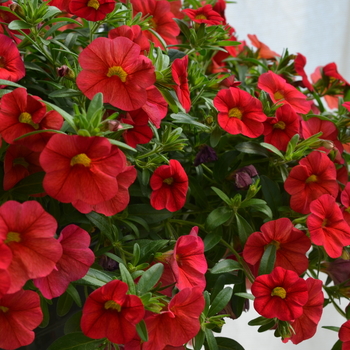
(291, 245)
(239, 112)
(345, 200)
(299, 64)
(92, 10)
(169, 184)
(179, 74)
(263, 50)
(74, 263)
(20, 313)
(28, 232)
(344, 335)
(111, 313)
(327, 226)
(116, 68)
(279, 130)
(204, 14)
(315, 175)
(281, 294)
(282, 92)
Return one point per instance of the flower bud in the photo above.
(206, 154)
(65, 72)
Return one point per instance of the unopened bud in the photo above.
(17, 9)
(65, 72)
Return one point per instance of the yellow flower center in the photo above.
(169, 180)
(82, 159)
(275, 243)
(4, 309)
(279, 125)
(119, 71)
(26, 118)
(235, 113)
(324, 222)
(312, 178)
(94, 3)
(347, 209)
(111, 304)
(12, 237)
(153, 24)
(201, 16)
(278, 95)
(279, 292)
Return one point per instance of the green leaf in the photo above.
(272, 149)
(149, 278)
(332, 328)
(126, 277)
(218, 217)
(183, 27)
(338, 345)
(244, 228)
(252, 148)
(148, 213)
(64, 304)
(245, 296)
(18, 24)
(95, 107)
(73, 323)
(264, 209)
(259, 321)
(40, 132)
(184, 118)
(121, 145)
(222, 195)
(149, 247)
(66, 116)
(51, 11)
(142, 330)
(114, 257)
(272, 194)
(252, 202)
(63, 93)
(226, 265)
(228, 344)
(72, 291)
(32, 184)
(103, 223)
(211, 341)
(136, 252)
(268, 260)
(174, 54)
(227, 43)
(75, 341)
(220, 301)
(95, 278)
(212, 239)
(45, 309)
(199, 340)
(9, 83)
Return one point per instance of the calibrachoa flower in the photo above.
(111, 313)
(282, 92)
(204, 14)
(299, 64)
(92, 10)
(74, 263)
(239, 112)
(63, 5)
(179, 74)
(28, 232)
(281, 294)
(263, 50)
(327, 226)
(169, 184)
(20, 313)
(116, 68)
(344, 335)
(315, 175)
(291, 245)
(305, 326)
(345, 201)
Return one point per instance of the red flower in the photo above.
(28, 231)
(282, 92)
(63, 5)
(169, 184)
(204, 14)
(327, 226)
(21, 113)
(110, 313)
(239, 112)
(73, 264)
(299, 64)
(331, 70)
(345, 200)
(181, 317)
(116, 68)
(279, 130)
(220, 7)
(305, 326)
(81, 168)
(19, 163)
(281, 294)
(6, 258)
(179, 73)
(291, 245)
(263, 50)
(92, 10)
(344, 335)
(315, 175)
(11, 64)
(20, 313)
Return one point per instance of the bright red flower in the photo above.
(21, 113)
(305, 326)
(220, 7)
(181, 317)
(239, 112)
(278, 131)
(134, 33)
(92, 10)
(299, 64)
(169, 184)
(291, 245)
(327, 226)
(344, 335)
(63, 5)
(314, 176)
(81, 168)
(20, 313)
(73, 264)
(282, 92)
(204, 14)
(263, 50)
(6, 258)
(19, 163)
(345, 200)
(179, 74)
(28, 232)
(11, 64)
(331, 70)
(110, 313)
(116, 68)
(281, 294)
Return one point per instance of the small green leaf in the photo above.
(94, 278)
(66, 116)
(228, 344)
(332, 328)
(245, 296)
(75, 341)
(72, 291)
(226, 265)
(272, 149)
(63, 93)
(9, 83)
(121, 145)
(126, 277)
(227, 43)
(220, 301)
(199, 340)
(268, 260)
(218, 217)
(211, 341)
(212, 239)
(73, 323)
(64, 304)
(184, 118)
(18, 24)
(142, 330)
(222, 195)
(51, 11)
(149, 278)
(252, 148)
(244, 228)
